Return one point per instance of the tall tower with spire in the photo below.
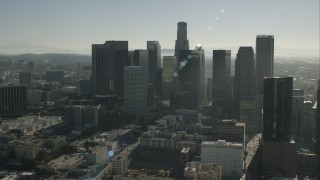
(182, 43)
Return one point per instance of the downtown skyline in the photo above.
(68, 27)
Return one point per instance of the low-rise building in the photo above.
(63, 164)
(98, 155)
(202, 171)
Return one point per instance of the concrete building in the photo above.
(28, 125)
(108, 61)
(13, 101)
(188, 115)
(120, 165)
(53, 142)
(81, 115)
(264, 59)
(31, 67)
(202, 171)
(229, 155)
(35, 97)
(172, 141)
(158, 84)
(182, 42)
(244, 78)
(64, 163)
(297, 103)
(229, 130)
(26, 147)
(141, 58)
(135, 96)
(98, 155)
(306, 125)
(84, 87)
(25, 79)
(90, 115)
(209, 88)
(250, 114)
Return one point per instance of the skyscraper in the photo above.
(154, 50)
(135, 90)
(169, 71)
(277, 109)
(249, 114)
(108, 61)
(318, 121)
(264, 59)
(244, 78)
(278, 150)
(13, 101)
(191, 78)
(221, 86)
(221, 72)
(141, 58)
(182, 42)
(31, 68)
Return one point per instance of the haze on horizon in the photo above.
(38, 26)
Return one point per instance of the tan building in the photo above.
(27, 147)
(202, 171)
(63, 164)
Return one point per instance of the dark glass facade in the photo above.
(277, 109)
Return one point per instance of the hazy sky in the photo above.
(38, 26)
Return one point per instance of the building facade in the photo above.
(108, 61)
(229, 155)
(168, 74)
(182, 42)
(191, 79)
(277, 109)
(244, 78)
(135, 90)
(25, 79)
(221, 72)
(264, 59)
(13, 101)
